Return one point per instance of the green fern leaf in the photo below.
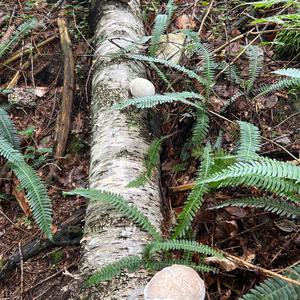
(131, 264)
(8, 130)
(191, 74)
(8, 152)
(21, 31)
(282, 84)
(200, 128)
(277, 206)
(262, 167)
(159, 28)
(117, 201)
(278, 186)
(186, 245)
(195, 198)
(170, 8)
(151, 101)
(276, 289)
(250, 140)
(36, 194)
(158, 265)
(290, 72)
(255, 55)
(152, 160)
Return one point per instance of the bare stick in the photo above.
(205, 16)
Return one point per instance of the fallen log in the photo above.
(120, 141)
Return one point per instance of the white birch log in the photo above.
(119, 143)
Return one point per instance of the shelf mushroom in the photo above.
(140, 87)
(176, 282)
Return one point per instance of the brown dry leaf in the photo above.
(237, 212)
(21, 198)
(78, 123)
(217, 103)
(185, 22)
(53, 228)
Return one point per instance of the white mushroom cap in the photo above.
(177, 282)
(140, 87)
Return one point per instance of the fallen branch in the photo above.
(64, 117)
(69, 233)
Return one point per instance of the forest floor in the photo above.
(258, 237)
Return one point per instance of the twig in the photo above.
(22, 270)
(233, 40)
(264, 271)
(205, 16)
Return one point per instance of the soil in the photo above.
(261, 238)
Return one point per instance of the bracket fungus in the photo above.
(176, 282)
(140, 87)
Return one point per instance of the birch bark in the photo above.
(119, 143)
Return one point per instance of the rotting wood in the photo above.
(64, 117)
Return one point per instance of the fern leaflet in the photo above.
(159, 28)
(192, 246)
(255, 55)
(276, 289)
(191, 74)
(21, 31)
(151, 101)
(109, 271)
(249, 141)
(195, 198)
(117, 201)
(7, 129)
(290, 72)
(278, 206)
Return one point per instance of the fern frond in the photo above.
(186, 245)
(152, 159)
(36, 194)
(8, 152)
(151, 101)
(232, 73)
(8, 130)
(282, 84)
(117, 201)
(191, 74)
(290, 72)
(277, 206)
(160, 26)
(276, 289)
(151, 162)
(262, 167)
(255, 56)
(170, 8)
(278, 186)
(21, 31)
(195, 198)
(138, 181)
(158, 265)
(109, 271)
(161, 75)
(208, 65)
(200, 128)
(250, 140)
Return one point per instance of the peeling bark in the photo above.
(119, 144)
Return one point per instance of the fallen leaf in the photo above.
(185, 22)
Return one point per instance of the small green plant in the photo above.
(30, 182)
(148, 259)
(20, 32)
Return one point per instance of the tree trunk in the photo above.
(120, 141)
